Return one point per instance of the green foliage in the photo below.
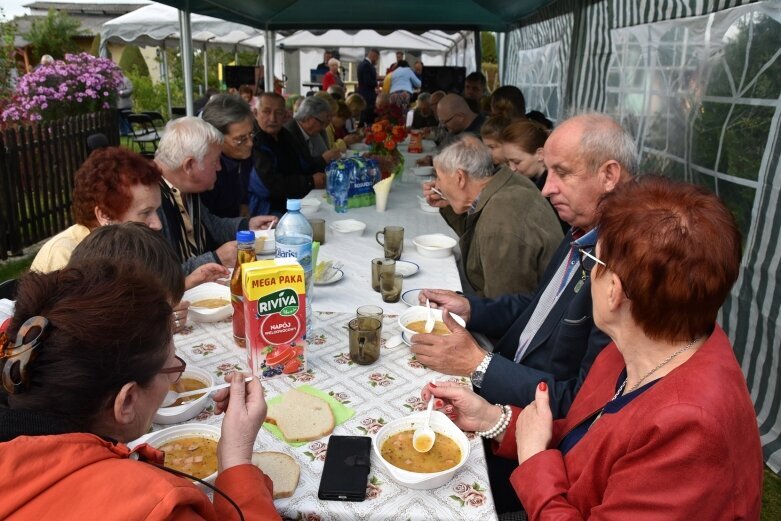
(53, 35)
(771, 496)
(488, 45)
(214, 57)
(94, 49)
(148, 95)
(7, 62)
(132, 60)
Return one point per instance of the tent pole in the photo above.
(167, 82)
(186, 46)
(501, 40)
(268, 50)
(205, 69)
(478, 53)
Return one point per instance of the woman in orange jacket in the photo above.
(87, 362)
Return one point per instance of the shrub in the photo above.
(133, 61)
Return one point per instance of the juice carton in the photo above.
(274, 316)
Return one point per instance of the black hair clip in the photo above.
(14, 359)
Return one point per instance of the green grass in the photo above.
(771, 497)
(15, 268)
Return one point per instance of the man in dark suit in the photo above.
(307, 129)
(367, 84)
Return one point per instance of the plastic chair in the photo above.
(144, 133)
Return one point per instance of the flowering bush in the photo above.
(79, 84)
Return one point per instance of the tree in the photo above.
(133, 60)
(54, 35)
(8, 72)
(488, 45)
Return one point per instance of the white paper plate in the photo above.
(410, 297)
(406, 268)
(336, 276)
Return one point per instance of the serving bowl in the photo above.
(310, 205)
(161, 437)
(435, 245)
(441, 424)
(348, 227)
(191, 409)
(209, 290)
(268, 243)
(418, 313)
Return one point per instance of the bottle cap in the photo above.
(294, 204)
(245, 236)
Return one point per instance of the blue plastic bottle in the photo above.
(294, 239)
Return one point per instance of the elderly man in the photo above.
(423, 116)
(189, 157)
(454, 114)
(307, 129)
(508, 231)
(548, 336)
(232, 116)
(277, 165)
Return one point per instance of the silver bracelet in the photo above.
(501, 425)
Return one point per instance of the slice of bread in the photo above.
(301, 416)
(283, 470)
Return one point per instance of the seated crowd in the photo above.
(601, 381)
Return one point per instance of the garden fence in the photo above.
(37, 164)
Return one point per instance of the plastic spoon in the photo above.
(423, 437)
(172, 396)
(429, 326)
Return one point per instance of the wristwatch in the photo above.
(479, 373)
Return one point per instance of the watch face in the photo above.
(477, 378)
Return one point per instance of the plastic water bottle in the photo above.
(294, 239)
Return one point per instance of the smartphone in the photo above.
(346, 468)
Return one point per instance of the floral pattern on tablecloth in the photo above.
(378, 393)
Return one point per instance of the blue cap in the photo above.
(294, 204)
(245, 236)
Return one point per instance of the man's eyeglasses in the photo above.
(175, 373)
(243, 139)
(448, 120)
(588, 261)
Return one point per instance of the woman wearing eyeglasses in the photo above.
(88, 361)
(663, 426)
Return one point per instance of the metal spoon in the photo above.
(429, 326)
(423, 437)
(172, 396)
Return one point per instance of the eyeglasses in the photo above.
(448, 120)
(174, 373)
(588, 261)
(243, 139)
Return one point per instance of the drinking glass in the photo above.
(381, 265)
(390, 286)
(365, 335)
(393, 241)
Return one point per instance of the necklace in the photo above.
(649, 373)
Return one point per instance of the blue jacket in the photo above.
(561, 352)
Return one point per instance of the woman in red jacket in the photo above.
(87, 362)
(663, 427)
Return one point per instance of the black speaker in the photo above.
(448, 79)
(237, 75)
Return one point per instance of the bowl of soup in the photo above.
(413, 320)
(209, 302)
(190, 448)
(435, 245)
(187, 408)
(421, 470)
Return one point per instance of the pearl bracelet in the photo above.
(501, 425)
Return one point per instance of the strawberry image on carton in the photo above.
(274, 316)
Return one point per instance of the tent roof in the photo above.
(366, 38)
(416, 15)
(155, 24)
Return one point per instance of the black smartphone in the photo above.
(346, 468)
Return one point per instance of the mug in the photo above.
(393, 237)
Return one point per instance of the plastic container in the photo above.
(246, 253)
(294, 240)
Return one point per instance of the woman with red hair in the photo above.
(663, 426)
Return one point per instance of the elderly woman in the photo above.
(91, 361)
(508, 232)
(332, 77)
(663, 426)
(232, 116)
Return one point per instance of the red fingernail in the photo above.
(543, 386)
(439, 403)
(432, 384)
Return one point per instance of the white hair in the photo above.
(467, 153)
(334, 61)
(186, 137)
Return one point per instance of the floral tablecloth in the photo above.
(378, 393)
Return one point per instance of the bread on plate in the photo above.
(301, 416)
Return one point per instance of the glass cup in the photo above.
(393, 241)
(369, 311)
(390, 286)
(318, 230)
(365, 335)
(380, 265)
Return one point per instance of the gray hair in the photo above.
(186, 137)
(223, 110)
(312, 107)
(334, 61)
(425, 97)
(604, 139)
(466, 152)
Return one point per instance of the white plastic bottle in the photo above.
(294, 239)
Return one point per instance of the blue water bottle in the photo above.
(294, 240)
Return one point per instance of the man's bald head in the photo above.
(454, 113)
